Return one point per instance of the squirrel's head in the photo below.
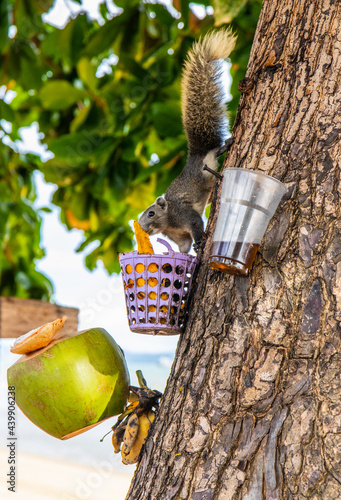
(155, 219)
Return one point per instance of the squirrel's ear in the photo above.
(161, 202)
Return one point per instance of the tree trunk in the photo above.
(252, 408)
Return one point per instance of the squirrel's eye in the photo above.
(151, 213)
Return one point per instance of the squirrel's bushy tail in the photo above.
(203, 109)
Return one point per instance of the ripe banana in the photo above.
(117, 438)
(132, 426)
(127, 412)
(130, 434)
(145, 419)
(122, 419)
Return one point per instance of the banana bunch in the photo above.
(131, 433)
(131, 429)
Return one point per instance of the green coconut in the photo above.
(71, 385)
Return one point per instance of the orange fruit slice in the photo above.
(142, 239)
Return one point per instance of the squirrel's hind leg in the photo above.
(185, 244)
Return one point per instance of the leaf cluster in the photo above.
(106, 96)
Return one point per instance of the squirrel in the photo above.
(178, 214)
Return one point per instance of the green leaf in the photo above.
(75, 150)
(6, 111)
(226, 10)
(41, 6)
(79, 119)
(142, 196)
(28, 18)
(60, 94)
(126, 4)
(185, 11)
(110, 261)
(30, 74)
(66, 45)
(162, 14)
(4, 25)
(62, 173)
(128, 63)
(167, 118)
(79, 31)
(86, 242)
(91, 259)
(87, 73)
(79, 205)
(105, 36)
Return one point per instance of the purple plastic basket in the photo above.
(157, 301)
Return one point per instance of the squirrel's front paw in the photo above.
(199, 245)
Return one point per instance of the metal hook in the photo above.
(212, 172)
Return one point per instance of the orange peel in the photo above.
(152, 282)
(38, 338)
(144, 245)
(153, 267)
(139, 268)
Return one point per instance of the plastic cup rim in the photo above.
(256, 172)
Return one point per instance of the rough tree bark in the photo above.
(252, 408)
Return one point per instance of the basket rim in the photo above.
(173, 255)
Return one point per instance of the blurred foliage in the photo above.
(106, 96)
(226, 10)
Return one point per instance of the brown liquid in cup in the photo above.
(233, 257)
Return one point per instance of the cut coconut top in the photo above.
(38, 338)
(60, 337)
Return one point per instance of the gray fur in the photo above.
(178, 214)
